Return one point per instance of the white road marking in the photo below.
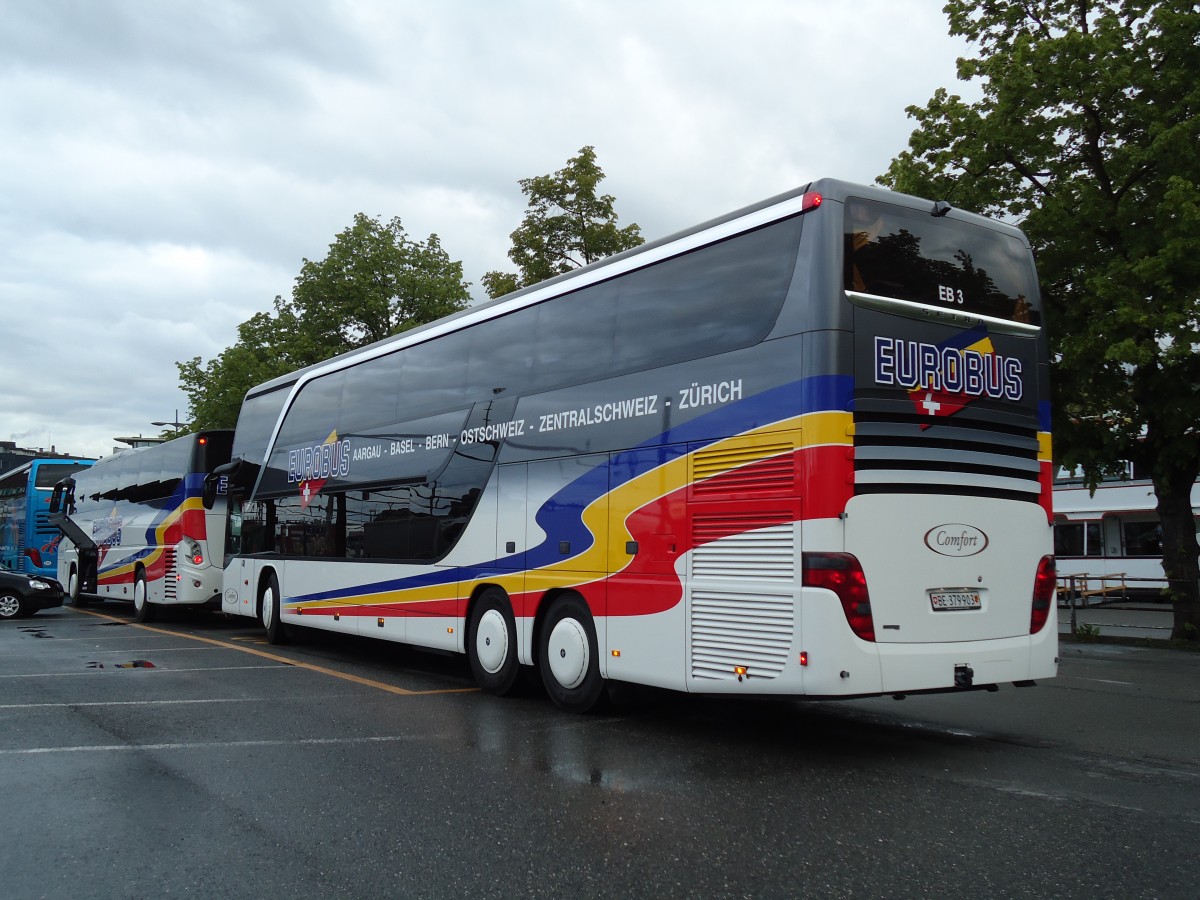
(213, 745)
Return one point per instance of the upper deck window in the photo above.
(906, 254)
(49, 475)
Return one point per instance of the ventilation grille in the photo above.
(731, 629)
(752, 546)
(900, 454)
(41, 524)
(169, 581)
(747, 471)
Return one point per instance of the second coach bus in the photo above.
(799, 450)
(135, 527)
(28, 542)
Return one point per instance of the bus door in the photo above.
(509, 552)
(646, 553)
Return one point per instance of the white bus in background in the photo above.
(1110, 540)
(134, 527)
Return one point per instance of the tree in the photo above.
(1088, 133)
(374, 282)
(565, 226)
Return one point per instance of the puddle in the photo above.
(135, 664)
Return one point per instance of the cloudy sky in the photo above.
(167, 166)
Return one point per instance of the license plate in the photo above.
(943, 600)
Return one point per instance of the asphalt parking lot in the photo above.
(190, 758)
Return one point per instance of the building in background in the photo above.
(12, 456)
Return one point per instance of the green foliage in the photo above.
(566, 226)
(497, 284)
(374, 282)
(1088, 134)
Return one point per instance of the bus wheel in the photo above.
(143, 609)
(568, 658)
(73, 588)
(492, 643)
(269, 604)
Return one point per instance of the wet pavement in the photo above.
(193, 759)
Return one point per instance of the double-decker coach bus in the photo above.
(799, 450)
(28, 542)
(135, 527)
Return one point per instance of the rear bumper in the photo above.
(923, 667)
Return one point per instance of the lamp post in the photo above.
(176, 424)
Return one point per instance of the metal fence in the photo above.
(1089, 592)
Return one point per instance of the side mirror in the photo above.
(63, 497)
(214, 486)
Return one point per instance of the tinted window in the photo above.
(1142, 538)
(414, 522)
(573, 338)
(435, 376)
(251, 527)
(49, 475)
(712, 300)
(1068, 539)
(906, 254)
(212, 450)
(309, 529)
(501, 355)
(392, 524)
(370, 394)
(313, 415)
(255, 424)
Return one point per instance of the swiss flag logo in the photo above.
(934, 403)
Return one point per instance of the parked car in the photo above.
(23, 595)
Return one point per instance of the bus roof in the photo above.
(721, 227)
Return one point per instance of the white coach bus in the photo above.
(801, 450)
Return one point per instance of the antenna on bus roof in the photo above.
(940, 208)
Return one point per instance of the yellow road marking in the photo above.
(334, 673)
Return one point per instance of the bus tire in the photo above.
(73, 588)
(568, 657)
(269, 606)
(143, 609)
(492, 643)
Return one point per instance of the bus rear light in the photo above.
(811, 200)
(1045, 583)
(803, 658)
(843, 574)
